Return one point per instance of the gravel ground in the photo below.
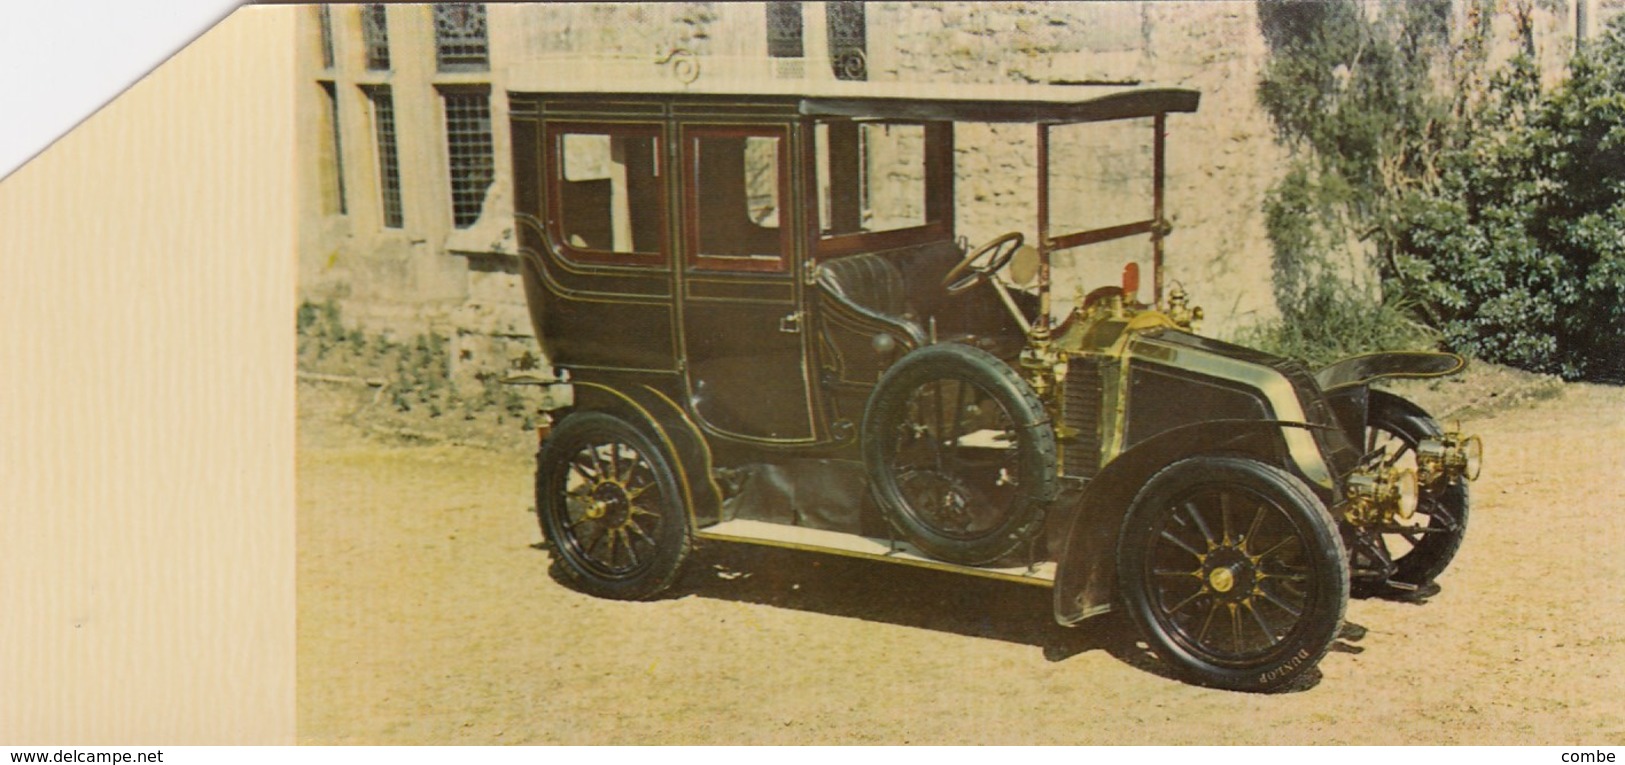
(426, 615)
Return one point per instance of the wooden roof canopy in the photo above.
(955, 102)
(1122, 105)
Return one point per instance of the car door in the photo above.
(605, 287)
(743, 329)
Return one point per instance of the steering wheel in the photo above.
(982, 262)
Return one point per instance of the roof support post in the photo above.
(1040, 329)
(1159, 226)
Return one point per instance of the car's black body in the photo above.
(743, 352)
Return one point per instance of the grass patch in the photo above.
(417, 392)
(1332, 324)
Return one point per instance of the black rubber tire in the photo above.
(1002, 497)
(1279, 607)
(611, 508)
(1445, 505)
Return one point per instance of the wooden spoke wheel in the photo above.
(610, 507)
(1234, 571)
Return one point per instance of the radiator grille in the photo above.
(1080, 416)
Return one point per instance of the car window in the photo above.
(737, 190)
(871, 177)
(607, 195)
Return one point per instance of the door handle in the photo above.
(790, 324)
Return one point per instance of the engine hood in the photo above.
(1177, 378)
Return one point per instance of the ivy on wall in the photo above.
(1487, 210)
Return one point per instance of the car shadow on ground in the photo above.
(906, 596)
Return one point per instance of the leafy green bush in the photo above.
(1493, 210)
(1518, 252)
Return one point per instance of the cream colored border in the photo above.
(147, 409)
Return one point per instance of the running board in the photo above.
(852, 545)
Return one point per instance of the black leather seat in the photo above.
(872, 287)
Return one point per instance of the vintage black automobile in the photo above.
(763, 328)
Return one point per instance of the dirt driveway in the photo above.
(426, 615)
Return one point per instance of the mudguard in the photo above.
(660, 417)
(1359, 370)
(1086, 582)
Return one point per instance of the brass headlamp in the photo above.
(1449, 458)
(1381, 495)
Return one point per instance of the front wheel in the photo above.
(1234, 572)
(610, 507)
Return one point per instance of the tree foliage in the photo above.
(1488, 208)
(1348, 86)
(1519, 249)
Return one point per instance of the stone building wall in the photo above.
(430, 276)
(1220, 159)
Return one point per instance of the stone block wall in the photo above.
(1220, 160)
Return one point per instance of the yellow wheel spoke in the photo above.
(1235, 626)
(1196, 516)
(632, 462)
(1202, 636)
(614, 536)
(1252, 530)
(583, 491)
(1187, 548)
(1283, 577)
(593, 545)
(630, 554)
(1197, 573)
(638, 530)
(1186, 602)
(597, 461)
(1273, 548)
(1269, 634)
(1271, 597)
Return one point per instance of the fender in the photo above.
(1359, 370)
(660, 417)
(1086, 582)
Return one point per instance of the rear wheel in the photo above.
(610, 508)
(1234, 572)
(960, 455)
